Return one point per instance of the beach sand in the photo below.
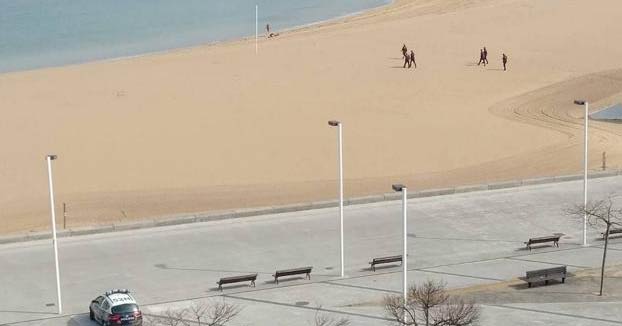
(219, 127)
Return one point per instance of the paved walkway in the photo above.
(472, 239)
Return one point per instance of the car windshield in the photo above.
(124, 308)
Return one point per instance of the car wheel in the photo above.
(91, 314)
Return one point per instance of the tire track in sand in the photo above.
(552, 107)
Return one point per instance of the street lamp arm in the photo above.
(398, 187)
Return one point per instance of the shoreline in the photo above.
(287, 31)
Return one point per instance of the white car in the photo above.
(116, 307)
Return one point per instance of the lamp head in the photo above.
(580, 102)
(52, 157)
(334, 123)
(398, 187)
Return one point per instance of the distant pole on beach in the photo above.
(49, 160)
(256, 28)
(585, 103)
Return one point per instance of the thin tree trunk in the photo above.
(602, 269)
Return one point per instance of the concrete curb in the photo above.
(206, 217)
(504, 185)
(13, 238)
(433, 193)
(538, 181)
(258, 211)
(90, 230)
(463, 189)
(324, 204)
(363, 200)
(134, 226)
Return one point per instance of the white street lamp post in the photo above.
(338, 124)
(404, 190)
(49, 159)
(585, 143)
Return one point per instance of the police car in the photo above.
(116, 307)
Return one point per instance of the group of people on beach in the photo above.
(409, 58)
(483, 58)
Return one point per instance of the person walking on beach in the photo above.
(485, 56)
(404, 50)
(412, 59)
(406, 60)
(504, 58)
(481, 57)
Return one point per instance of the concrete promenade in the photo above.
(470, 239)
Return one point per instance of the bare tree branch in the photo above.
(600, 212)
(322, 319)
(198, 310)
(456, 312)
(403, 314)
(169, 318)
(430, 305)
(221, 313)
(209, 314)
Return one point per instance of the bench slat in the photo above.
(612, 231)
(550, 238)
(236, 279)
(552, 269)
(292, 271)
(545, 275)
(384, 260)
(542, 276)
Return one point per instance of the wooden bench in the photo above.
(236, 279)
(550, 238)
(545, 275)
(612, 231)
(384, 260)
(293, 271)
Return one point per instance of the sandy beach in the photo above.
(219, 127)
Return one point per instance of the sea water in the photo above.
(45, 33)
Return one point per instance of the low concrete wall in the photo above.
(239, 213)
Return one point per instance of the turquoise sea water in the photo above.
(44, 33)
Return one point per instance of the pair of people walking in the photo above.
(409, 59)
(483, 57)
